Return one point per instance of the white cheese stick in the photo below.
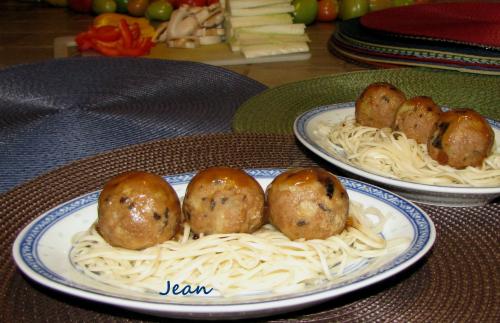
(254, 39)
(244, 4)
(290, 29)
(261, 11)
(278, 19)
(253, 51)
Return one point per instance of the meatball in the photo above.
(377, 105)
(417, 118)
(462, 138)
(308, 203)
(224, 200)
(137, 210)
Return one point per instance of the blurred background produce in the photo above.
(159, 10)
(136, 8)
(102, 6)
(328, 10)
(306, 11)
(353, 8)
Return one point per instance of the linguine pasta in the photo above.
(391, 153)
(265, 261)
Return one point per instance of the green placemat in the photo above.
(274, 110)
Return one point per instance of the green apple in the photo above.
(159, 10)
(353, 8)
(305, 11)
(102, 6)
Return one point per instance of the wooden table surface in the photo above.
(28, 30)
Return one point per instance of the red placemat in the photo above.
(469, 22)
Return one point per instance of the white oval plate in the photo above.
(306, 130)
(41, 251)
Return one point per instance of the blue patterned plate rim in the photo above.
(27, 259)
(300, 127)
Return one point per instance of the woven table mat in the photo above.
(407, 55)
(356, 42)
(58, 111)
(457, 281)
(275, 110)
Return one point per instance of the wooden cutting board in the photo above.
(218, 54)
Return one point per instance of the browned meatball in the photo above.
(378, 104)
(462, 138)
(224, 200)
(308, 203)
(417, 118)
(138, 210)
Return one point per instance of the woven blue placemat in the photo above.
(59, 111)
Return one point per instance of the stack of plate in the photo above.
(424, 35)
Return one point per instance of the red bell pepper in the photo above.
(107, 33)
(124, 40)
(126, 35)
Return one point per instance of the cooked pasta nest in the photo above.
(392, 154)
(265, 261)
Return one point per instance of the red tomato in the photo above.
(327, 10)
(209, 2)
(193, 3)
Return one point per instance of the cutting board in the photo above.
(218, 54)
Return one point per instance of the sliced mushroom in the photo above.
(210, 40)
(200, 32)
(161, 33)
(215, 6)
(194, 10)
(214, 20)
(191, 26)
(202, 15)
(181, 23)
(186, 27)
(185, 42)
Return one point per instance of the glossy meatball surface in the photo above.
(224, 200)
(308, 203)
(137, 210)
(417, 118)
(378, 104)
(462, 138)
